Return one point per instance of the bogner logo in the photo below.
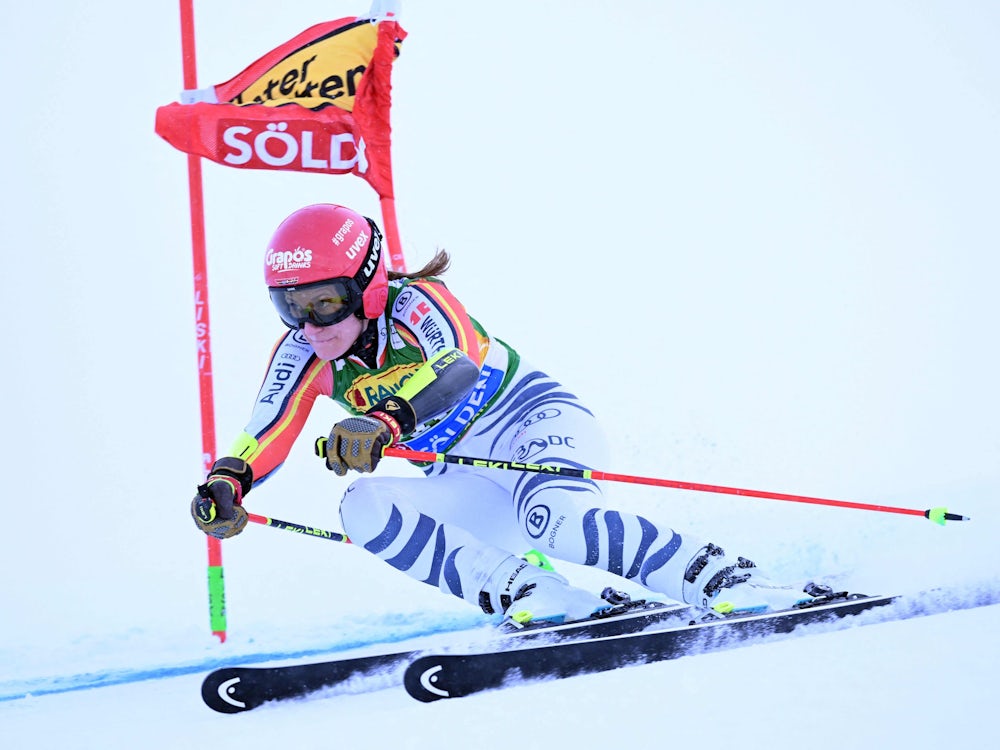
(292, 145)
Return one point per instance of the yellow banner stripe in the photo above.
(327, 71)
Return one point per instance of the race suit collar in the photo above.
(366, 346)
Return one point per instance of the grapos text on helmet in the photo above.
(341, 233)
(288, 260)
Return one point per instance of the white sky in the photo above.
(760, 239)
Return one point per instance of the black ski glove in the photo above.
(357, 442)
(216, 508)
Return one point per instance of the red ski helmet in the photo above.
(326, 242)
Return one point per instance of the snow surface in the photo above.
(778, 218)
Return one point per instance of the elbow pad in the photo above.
(442, 382)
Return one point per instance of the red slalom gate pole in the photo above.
(389, 222)
(216, 585)
(937, 515)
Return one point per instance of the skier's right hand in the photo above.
(357, 442)
(217, 508)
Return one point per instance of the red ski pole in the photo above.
(938, 515)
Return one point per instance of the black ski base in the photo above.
(434, 677)
(594, 645)
(233, 690)
(236, 689)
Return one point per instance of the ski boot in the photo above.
(725, 587)
(527, 594)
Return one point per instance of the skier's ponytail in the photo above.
(434, 267)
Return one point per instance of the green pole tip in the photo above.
(538, 559)
(217, 600)
(937, 515)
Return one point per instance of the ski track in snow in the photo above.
(383, 631)
(442, 634)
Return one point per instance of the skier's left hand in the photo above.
(216, 508)
(357, 442)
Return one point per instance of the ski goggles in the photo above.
(322, 303)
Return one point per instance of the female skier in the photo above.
(402, 356)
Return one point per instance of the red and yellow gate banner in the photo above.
(317, 103)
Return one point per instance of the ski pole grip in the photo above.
(320, 447)
(388, 452)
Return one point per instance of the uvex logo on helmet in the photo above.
(359, 244)
(371, 263)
